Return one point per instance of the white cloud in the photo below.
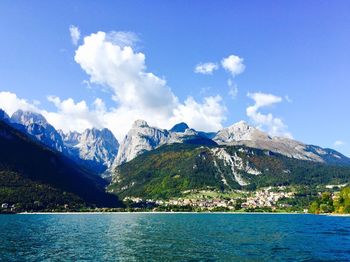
(273, 125)
(74, 34)
(124, 72)
(70, 115)
(233, 64)
(67, 116)
(338, 143)
(111, 62)
(262, 99)
(114, 66)
(11, 103)
(206, 68)
(233, 89)
(206, 116)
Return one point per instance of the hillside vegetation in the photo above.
(31, 172)
(172, 169)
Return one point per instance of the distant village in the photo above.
(265, 198)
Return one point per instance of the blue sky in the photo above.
(296, 55)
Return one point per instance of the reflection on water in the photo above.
(174, 237)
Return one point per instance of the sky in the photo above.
(282, 66)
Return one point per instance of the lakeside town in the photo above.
(269, 199)
(205, 200)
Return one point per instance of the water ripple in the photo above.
(174, 237)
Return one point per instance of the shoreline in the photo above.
(159, 212)
(335, 215)
(172, 213)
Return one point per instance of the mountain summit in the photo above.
(36, 125)
(142, 138)
(242, 134)
(139, 139)
(180, 127)
(98, 148)
(239, 131)
(94, 148)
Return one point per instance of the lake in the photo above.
(174, 237)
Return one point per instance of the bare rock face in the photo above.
(93, 148)
(71, 138)
(243, 134)
(240, 131)
(36, 125)
(98, 147)
(139, 139)
(142, 138)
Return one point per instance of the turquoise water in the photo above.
(174, 237)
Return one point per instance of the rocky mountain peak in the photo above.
(243, 125)
(140, 123)
(27, 117)
(180, 127)
(239, 131)
(140, 138)
(99, 146)
(36, 125)
(71, 138)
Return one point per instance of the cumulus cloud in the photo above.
(206, 68)
(233, 64)
(273, 125)
(111, 62)
(338, 143)
(123, 71)
(71, 115)
(74, 34)
(204, 116)
(113, 65)
(11, 103)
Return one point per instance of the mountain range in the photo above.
(94, 148)
(143, 137)
(155, 162)
(34, 176)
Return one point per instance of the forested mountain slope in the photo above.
(28, 167)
